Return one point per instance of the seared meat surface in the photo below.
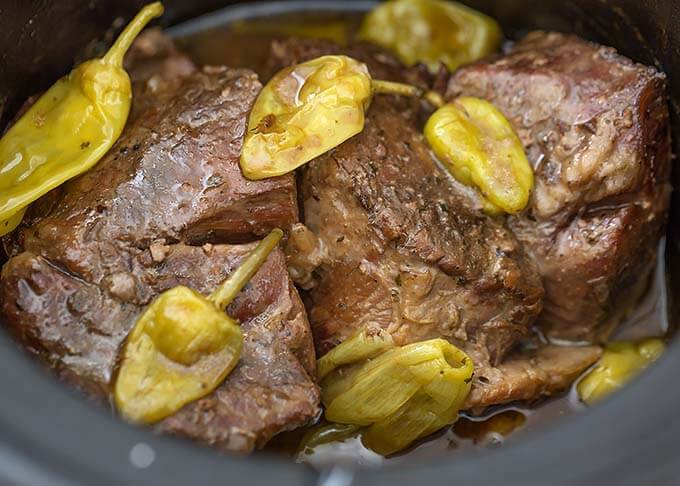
(156, 69)
(77, 328)
(595, 128)
(156, 212)
(392, 241)
(402, 250)
(172, 176)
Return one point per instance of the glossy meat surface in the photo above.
(392, 241)
(156, 212)
(77, 328)
(173, 176)
(595, 128)
(400, 249)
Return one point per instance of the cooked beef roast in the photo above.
(595, 128)
(172, 176)
(403, 252)
(93, 253)
(77, 328)
(392, 241)
(156, 70)
(389, 239)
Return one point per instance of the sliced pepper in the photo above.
(69, 128)
(308, 109)
(183, 346)
(396, 394)
(304, 111)
(432, 32)
(9, 225)
(477, 144)
(620, 363)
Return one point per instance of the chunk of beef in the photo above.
(381, 64)
(390, 239)
(528, 375)
(77, 328)
(399, 248)
(173, 176)
(595, 128)
(93, 253)
(156, 69)
(390, 242)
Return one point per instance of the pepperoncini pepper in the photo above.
(69, 128)
(304, 111)
(620, 362)
(183, 346)
(477, 144)
(10, 224)
(432, 32)
(308, 109)
(398, 394)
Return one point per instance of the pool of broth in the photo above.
(227, 39)
(246, 43)
(498, 425)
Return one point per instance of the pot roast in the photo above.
(595, 128)
(156, 212)
(392, 241)
(380, 235)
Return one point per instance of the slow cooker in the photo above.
(50, 435)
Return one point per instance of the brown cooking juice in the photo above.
(243, 39)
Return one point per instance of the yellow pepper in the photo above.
(69, 128)
(620, 362)
(397, 394)
(308, 109)
(304, 111)
(477, 144)
(432, 32)
(10, 224)
(183, 346)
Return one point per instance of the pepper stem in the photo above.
(390, 87)
(229, 289)
(130, 33)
